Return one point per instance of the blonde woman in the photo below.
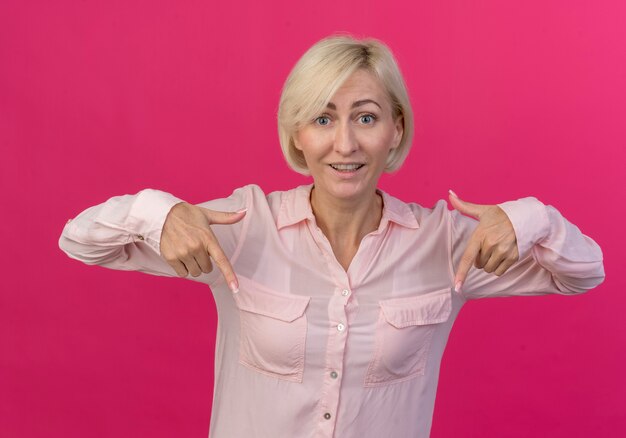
(336, 299)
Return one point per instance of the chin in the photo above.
(349, 189)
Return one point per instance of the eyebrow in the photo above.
(356, 104)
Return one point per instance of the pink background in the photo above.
(100, 99)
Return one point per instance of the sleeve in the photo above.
(124, 232)
(554, 255)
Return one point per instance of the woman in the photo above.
(335, 299)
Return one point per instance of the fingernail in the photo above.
(241, 211)
(457, 286)
(452, 193)
(233, 287)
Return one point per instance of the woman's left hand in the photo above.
(492, 246)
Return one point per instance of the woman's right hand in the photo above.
(188, 243)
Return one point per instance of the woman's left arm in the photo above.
(520, 247)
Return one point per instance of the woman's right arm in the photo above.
(157, 233)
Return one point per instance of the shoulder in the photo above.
(254, 191)
(256, 196)
(279, 207)
(428, 217)
(437, 212)
(415, 217)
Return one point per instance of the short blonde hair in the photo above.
(320, 72)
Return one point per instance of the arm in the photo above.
(554, 256)
(122, 233)
(129, 233)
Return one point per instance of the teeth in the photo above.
(346, 166)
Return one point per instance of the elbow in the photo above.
(66, 243)
(582, 283)
(72, 249)
(600, 276)
(596, 278)
(63, 246)
(78, 251)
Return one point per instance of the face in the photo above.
(346, 147)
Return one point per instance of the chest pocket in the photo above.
(273, 330)
(404, 333)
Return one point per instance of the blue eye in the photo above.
(322, 120)
(367, 119)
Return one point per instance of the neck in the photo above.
(346, 222)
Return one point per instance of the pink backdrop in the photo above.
(105, 98)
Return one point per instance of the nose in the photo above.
(345, 141)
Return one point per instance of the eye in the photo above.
(367, 119)
(322, 120)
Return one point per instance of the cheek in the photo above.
(310, 143)
(378, 143)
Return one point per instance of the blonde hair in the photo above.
(320, 72)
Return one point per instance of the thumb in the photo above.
(224, 217)
(465, 207)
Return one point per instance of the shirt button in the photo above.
(333, 374)
(327, 416)
(139, 236)
(341, 327)
(345, 292)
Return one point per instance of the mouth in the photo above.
(347, 168)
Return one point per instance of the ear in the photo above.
(399, 131)
(296, 143)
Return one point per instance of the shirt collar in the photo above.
(296, 207)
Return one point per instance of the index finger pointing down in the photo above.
(467, 260)
(222, 262)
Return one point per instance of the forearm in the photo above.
(574, 259)
(554, 256)
(121, 233)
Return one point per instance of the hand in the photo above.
(492, 246)
(187, 241)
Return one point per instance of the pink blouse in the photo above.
(306, 349)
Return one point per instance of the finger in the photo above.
(494, 261)
(483, 257)
(224, 217)
(468, 208)
(486, 253)
(467, 260)
(178, 267)
(192, 266)
(224, 265)
(204, 261)
(504, 266)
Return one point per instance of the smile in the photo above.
(346, 167)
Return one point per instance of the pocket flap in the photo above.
(256, 298)
(430, 308)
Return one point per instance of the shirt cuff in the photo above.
(530, 220)
(148, 214)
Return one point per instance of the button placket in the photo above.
(337, 336)
(335, 351)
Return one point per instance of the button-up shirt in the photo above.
(308, 349)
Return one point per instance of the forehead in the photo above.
(359, 85)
